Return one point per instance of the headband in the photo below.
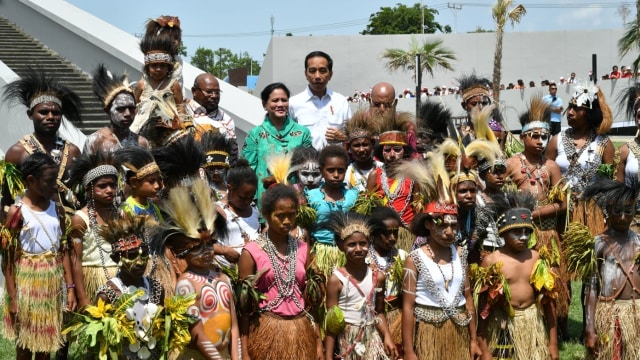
(437, 207)
(217, 158)
(584, 96)
(127, 243)
(150, 168)
(517, 218)
(535, 125)
(113, 93)
(354, 228)
(393, 138)
(474, 91)
(97, 172)
(359, 133)
(157, 57)
(485, 165)
(462, 177)
(43, 98)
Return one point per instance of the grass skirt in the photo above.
(549, 237)
(370, 339)
(93, 278)
(272, 337)
(328, 258)
(526, 332)
(590, 215)
(625, 313)
(405, 239)
(39, 291)
(394, 317)
(444, 340)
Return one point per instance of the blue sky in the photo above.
(245, 25)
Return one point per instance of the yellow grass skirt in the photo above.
(526, 331)
(273, 337)
(405, 239)
(39, 291)
(93, 277)
(625, 313)
(369, 338)
(445, 340)
(327, 258)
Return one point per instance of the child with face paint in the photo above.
(385, 257)
(528, 310)
(143, 175)
(215, 148)
(304, 165)
(332, 196)
(611, 330)
(130, 250)
(358, 291)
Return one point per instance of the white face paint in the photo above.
(310, 174)
(123, 110)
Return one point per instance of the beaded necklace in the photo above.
(389, 259)
(94, 228)
(578, 175)
(536, 173)
(396, 193)
(55, 153)
(433, 257)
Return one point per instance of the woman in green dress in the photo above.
(278, 133)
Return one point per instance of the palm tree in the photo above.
(502, 11)
(432, 56)
(631, 40)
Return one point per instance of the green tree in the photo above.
(182, 50)
(218, 61)
(503, 11)
(203, 59)
(403, 20)
(245, 61)
(432, 56)
(630, 40)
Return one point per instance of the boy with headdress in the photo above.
(361, 134)
(476, 94)
(531, 171)
(516, 289)
(612, 321)
(433, 126)
(216, 149)
(47, 100)
(116, 96)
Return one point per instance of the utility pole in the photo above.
(272, 21)
(418, 82)
(422, 16)
(454, 9)
(220, 61)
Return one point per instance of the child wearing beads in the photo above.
(130, 250)
(35, 263)
(167, 26)
(143, 175)
(331, 196)
(358, 291)
(91, 263)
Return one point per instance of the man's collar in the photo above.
(310, 95)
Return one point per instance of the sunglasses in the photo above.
(395, 149)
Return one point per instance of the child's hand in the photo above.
(409, 355)
(474, 350)
(390, 348)
(553, 352)
(71, 300)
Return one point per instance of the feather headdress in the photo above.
(107, 86)
(487, 154)
(279, 165)
(629, 101)
(89, 167)
(434, 119)
(179, 161)
(135, 161)
(472, 85)
(480, 120)
(157, 49)
(361, 126)
(162, 24)
(215, 148)
(393, 127)
(126, 233)
(606, 191)
(35, 87)
(538, 115)
(513, 209)
(165, 124)
(345, 224)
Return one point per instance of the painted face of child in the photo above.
(134, 261)
(517, 239)
(536, 141)
(310, 174)
(442, 229)
(123, 110)
(199, 257)
(333, 172)
(620, 216)
(356, 248)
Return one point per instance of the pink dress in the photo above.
(266, 283)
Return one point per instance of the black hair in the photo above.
(154, 28)
(104, 82)
(266, 92)
(275, 193)
(467, 81)
(134, 155)
(417, 225)
(179, 160)
(35, 164)
(157, 43)
(83, 164)
(435, 120)
(332, 151)
(319, 54)
(241, 174)
(606, 191)
(379, 215)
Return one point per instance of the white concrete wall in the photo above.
(86, 41)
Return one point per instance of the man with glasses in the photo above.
(207, 116)
(320, 109)
(475, 94)
(556, 108)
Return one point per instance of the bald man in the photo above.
(206, 113)
(383, 100)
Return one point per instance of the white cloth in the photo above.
(355, 178)
(318, 114)
(585, 159)
(350, 301)
(235, 226)
(631, 169)
(40, 229)
(423, 296)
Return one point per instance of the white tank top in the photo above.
(40, 229)
(236, 225)
(423, 295)
(631, 168)
(350, 300)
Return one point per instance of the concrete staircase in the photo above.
(20, 51)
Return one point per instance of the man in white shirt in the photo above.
(322, 110)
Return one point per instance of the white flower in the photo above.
(134, 347)
(144, 353)
(129, 313)
(151, 309)
(360, 349)
(152, 343)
